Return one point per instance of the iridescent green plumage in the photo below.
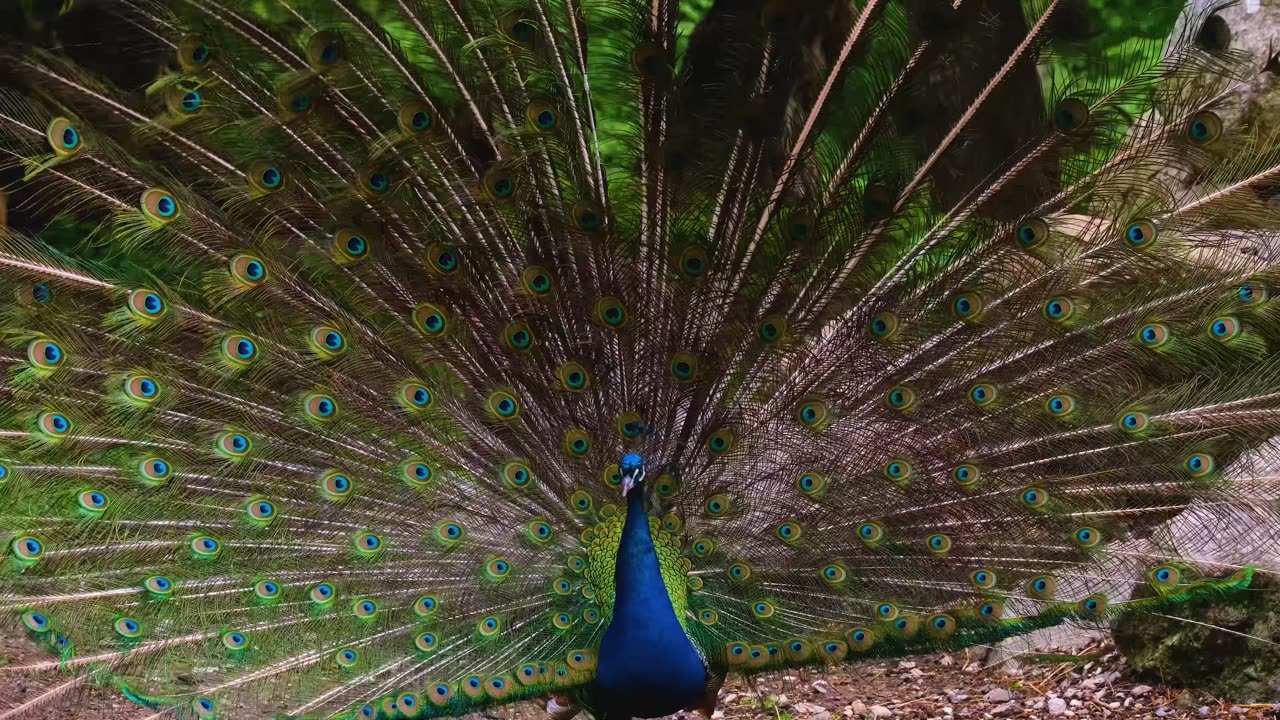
(602, 549)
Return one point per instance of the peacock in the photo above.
(420, 356)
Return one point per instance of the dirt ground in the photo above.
(1091, 682)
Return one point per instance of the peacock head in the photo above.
(632, 469)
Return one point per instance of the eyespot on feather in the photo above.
(1058, 309)
(502, 405)
(1214, 35)
(159, 206)
(609, 312)
(693, 261)
(417, 119)
(248, 271)
(46, 355)
(238, 350)
(367, 544)
(54, 426)
(811, 483)
(967, 475)
(1042, 587)
(1070, 115)
(883, 325)
(587, 216)
(416, 473)
(92, 503)
(650, 62)
(204, 547)
(573, 377)
(1224, 329)
(968, 306)
(498, 184)
(193, 53)
(537, 281)
(900, 398)
(577, 443)
(414, 396)
(442, 259)
(1140, 234)
(265, 178)
(145, 305)
(64, 138)
(519, 27)
(721, 442)
(183, 102)
(232, 445)
(1032, 234)
(325, 50)
(349, 245)
(336, 485)
(1154, 335)
(154, 471)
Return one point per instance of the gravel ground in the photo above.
(1090, 682)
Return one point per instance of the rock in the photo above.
(1140, 690)
(999, 695)
(824, 715)
(947, 710)
(859, 709)
(1215, 653)
(728, 699)
(880, 711)
(808, 708)
(821, 686)
(957, 697)
(1057, 706)
(781, 700)
(1161, 712)
(1237, 710)
(1004, 709)
(1204, 710)
(717, 715)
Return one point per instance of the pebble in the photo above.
(881, 711)
(999, 695)
(1140, 690)
(821, 686)
(1004, 709)
(956, 697)
(860, 710)
(1057, 706)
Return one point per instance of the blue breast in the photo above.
(647, 665)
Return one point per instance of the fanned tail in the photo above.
(333, 427)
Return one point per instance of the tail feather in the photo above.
(333, 428)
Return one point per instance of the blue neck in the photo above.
(647, 667)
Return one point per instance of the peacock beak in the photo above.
(631, 478)
(632, 471)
